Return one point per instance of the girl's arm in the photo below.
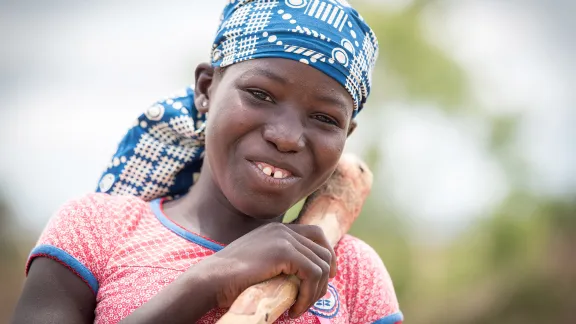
(54, 294)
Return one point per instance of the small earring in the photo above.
(200, 133)
(201, 129)
(204, 103)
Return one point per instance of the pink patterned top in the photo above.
(127, 250)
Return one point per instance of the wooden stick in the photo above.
(333, 207)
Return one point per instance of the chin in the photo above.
(260, 208)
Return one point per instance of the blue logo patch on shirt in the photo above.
(328, 305)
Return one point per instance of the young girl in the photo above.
(286, 79)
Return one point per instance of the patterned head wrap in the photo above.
(161, 155)
(328, 35)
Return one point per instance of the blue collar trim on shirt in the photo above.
(156, 206)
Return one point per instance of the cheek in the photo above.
(228, 121)
(330, 147)
(228, 116)
(328, 150)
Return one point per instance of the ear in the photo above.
(204, 81)
(352, 127)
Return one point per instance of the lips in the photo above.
(289, 166)
(270, 176)
(273, 171)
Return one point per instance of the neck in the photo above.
(206, 211)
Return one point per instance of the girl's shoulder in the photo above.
(104, 204)
(99, 210)
(360, 264)
(365, 283)
(101, 200)
(352, 250)
(85, 231)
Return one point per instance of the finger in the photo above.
(310, 276)
(306, 249)
(323, 289)
(316, 235)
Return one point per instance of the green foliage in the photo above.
(293, 212)
(412, 66)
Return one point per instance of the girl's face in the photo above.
(275, 132)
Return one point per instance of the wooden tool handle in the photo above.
(333, 207)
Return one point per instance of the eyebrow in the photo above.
(265, 72)
(258, 70)
(334, 102)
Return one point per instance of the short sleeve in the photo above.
(370, 294)
(81, 235)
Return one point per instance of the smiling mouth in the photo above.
(272, 177)
(272, 171)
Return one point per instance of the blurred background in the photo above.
(470, 132)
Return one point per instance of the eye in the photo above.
(260, 95)
(326, 119)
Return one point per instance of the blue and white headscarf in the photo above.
(161, 155)
(329, 35)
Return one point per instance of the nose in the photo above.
(285, 132)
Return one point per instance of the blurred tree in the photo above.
(11, 260)
(411, 67)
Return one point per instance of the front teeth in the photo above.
(267, 170)
(272, 172)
